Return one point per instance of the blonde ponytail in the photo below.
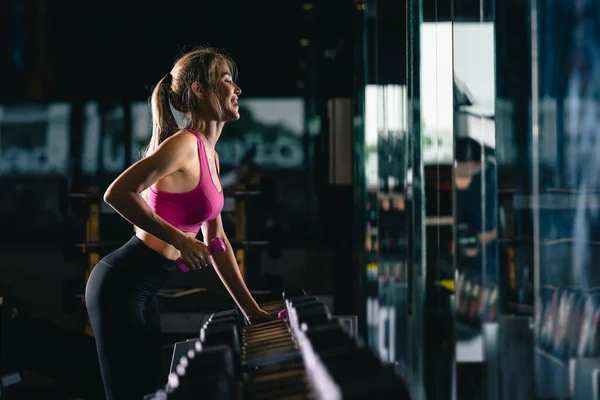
(163, 121)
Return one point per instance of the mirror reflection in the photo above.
(565, 188)
(475, 192)
(437, 154)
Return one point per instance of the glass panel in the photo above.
(415, 198)
(437, 142)
(515, 223)
(565, 146)
(388, 181)
(475, 193)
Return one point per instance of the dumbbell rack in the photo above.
(309, 355)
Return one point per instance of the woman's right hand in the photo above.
(194, 253)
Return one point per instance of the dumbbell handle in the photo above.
(216, 246)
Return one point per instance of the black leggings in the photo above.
(123, 309)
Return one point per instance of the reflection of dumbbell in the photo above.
(568, 324)
(559, 342)
(476, 300)
(594, 338)
(465, 297)
(539, 318)
(545, 303)
(459, 292)
(575, 325)
(550, 320)
(492, 305)
(217, 246)
(584, 348)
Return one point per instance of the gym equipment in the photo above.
(224, 333)
(216, 246)
(209, 371)
(241, 194)
(89, 249)
(282, 314)
(337, 365)
(589, 323)
(182, 350)
(309, 355)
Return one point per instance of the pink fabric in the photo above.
(187, 211)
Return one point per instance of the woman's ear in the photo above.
(198, 90)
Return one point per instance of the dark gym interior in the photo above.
(410, 192)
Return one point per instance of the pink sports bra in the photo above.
(187, 211)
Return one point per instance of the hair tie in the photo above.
(168, 77)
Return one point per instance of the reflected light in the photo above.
(386, 117)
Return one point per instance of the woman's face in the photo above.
(228, 93)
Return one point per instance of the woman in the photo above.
(168, 195)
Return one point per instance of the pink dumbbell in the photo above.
(216, 246)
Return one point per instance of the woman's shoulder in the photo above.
(188, 133)
(182, 137)
(180, 143)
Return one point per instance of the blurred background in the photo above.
(426, 168)
(76, 79)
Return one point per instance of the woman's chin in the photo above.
(233, 116)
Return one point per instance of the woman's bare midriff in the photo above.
(165, 249)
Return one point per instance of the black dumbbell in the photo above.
(313, 314)
(210, 373)
(297, 301)
(223, 314)
(293, 292)
(332, 340)
(183, 349)
(222, 334)
(220, 321)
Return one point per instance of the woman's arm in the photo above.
(228, 270)
(124, 193)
